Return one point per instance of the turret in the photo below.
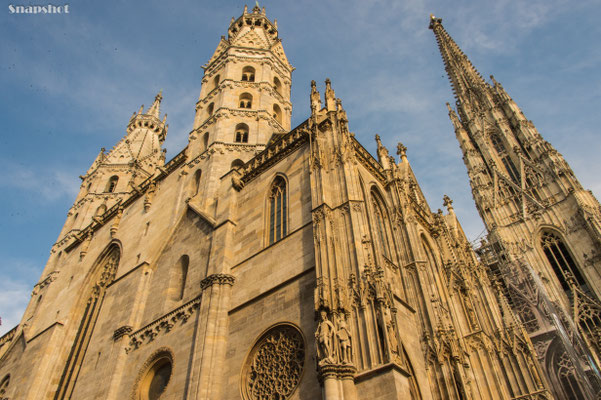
(245, 95)
(114, 174)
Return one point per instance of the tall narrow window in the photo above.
(511, 169)
(277, 85)
(216, 82)
(105, 271)
(205, 140)
(112, 184)
(210, 109)
(497, 144)
(278, 212)
(277, 113)
(248, 74)
(196, 187)
(561, 261)
(380, 220)
(182, 272)
(241, 133)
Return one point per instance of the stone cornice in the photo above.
(161, 325)
(51, 277)
(268, 55)
(276, 151)
(8, 336)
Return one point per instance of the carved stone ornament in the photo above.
(274, 367)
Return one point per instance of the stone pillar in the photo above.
(337, 381)
(211, 338)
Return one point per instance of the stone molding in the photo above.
(121, 331)
(219, 279)
(336, 371)
(161, 325)
(45, 282)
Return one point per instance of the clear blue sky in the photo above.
(69, 84)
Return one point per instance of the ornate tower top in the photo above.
(245, 94)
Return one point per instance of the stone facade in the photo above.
(265, 263)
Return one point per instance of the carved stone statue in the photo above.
(324, 336)
(344, 341)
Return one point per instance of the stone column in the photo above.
(211, 338)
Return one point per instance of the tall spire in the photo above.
(466, 81)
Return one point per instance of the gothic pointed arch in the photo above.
(101, 275)
(381, 222)
(277, 206)
(563, 373)
(561, 260)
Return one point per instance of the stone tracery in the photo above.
(275, 365)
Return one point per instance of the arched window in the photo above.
(497, 144)
(196, 187)
(248, 74)
(210, 109)
(245, 100)
(277, 113)
(380, 218)
(277, 85)
(278, 213)
(205, 140)
(181, 274)
(104, 274)
(511, 169)
(237, 164)
(561, 260)
(241, 133)
(216, 82)
(112, 184)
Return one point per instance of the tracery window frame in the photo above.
(277, 210)
(254, 369)
(381, 224)
(105, 270)
(560, 259)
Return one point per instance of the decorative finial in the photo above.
(447, 202)
(434, 21)
(330, 96)
(401, 150)
(315, 98)
(245, 9)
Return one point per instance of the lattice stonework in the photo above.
(274, 367)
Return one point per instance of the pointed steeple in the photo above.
(155, 108)
(466, 81)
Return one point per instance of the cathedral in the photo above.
(270, 262)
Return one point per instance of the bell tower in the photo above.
(245, 95)
(544, 228)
